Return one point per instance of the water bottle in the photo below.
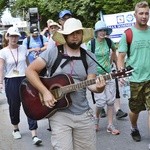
(126, 89)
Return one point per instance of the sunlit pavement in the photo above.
(105, 141)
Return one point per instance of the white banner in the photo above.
(119, 23)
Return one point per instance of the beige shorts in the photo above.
(73, 132)
(108, 96)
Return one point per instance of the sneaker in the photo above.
(103, 113)
(136, 135)
(120, 114)
(36, 140)
(111, 129)
(16, 134)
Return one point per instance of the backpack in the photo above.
(129, 36)
(108, 40)
(28, 41)
(43, 72)
(109, 43)
(68, 58)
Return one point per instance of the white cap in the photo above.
(13, 31)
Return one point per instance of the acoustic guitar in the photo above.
(60, 86)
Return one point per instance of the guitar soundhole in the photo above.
(56, 91)
(55, 86)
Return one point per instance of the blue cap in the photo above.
(64, 12)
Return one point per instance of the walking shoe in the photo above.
(111, 129)
(16, 134)
(103, 113)
(120, 114)
(36, 140)
(136, 135)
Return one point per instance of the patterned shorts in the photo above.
(140, 96)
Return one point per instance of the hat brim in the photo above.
(61, 16)
(14, 33)
(108, 30)
(88, 34)
(36, 32)
(54, 24)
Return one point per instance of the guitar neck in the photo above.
(59, 92)
(81, 85)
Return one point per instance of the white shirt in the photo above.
(10, 60)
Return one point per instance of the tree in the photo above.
(3, 5)
(86, 10)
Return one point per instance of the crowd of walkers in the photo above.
(70, 53)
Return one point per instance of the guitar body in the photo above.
(32, 99)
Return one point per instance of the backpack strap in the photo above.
(68, 58)
(129, 36)
(41, 37)
(93, 45)
(58, 59)
(28, 42)
(108, 40)
(83, 58)
(109, 43)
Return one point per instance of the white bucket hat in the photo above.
(72, 25)
(13, 31)
(54, 24)
(100, 25)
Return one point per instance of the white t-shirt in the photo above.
(11, 61)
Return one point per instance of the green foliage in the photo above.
(88, 11)
(3, 4)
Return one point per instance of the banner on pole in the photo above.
(119, 23)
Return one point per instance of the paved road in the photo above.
(106, 141)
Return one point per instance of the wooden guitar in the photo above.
(60, 86)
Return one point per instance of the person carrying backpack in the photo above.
(35, 43)
(102, 53)
(139, 60)
(72, 127)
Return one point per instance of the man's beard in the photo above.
(74, 45)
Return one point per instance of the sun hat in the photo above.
(13, 31)
(64, 12)
(34, 30)
(101, 25)
(49, 21)
(71, 25)
(54, 24)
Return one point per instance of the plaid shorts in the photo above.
(140, 96)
